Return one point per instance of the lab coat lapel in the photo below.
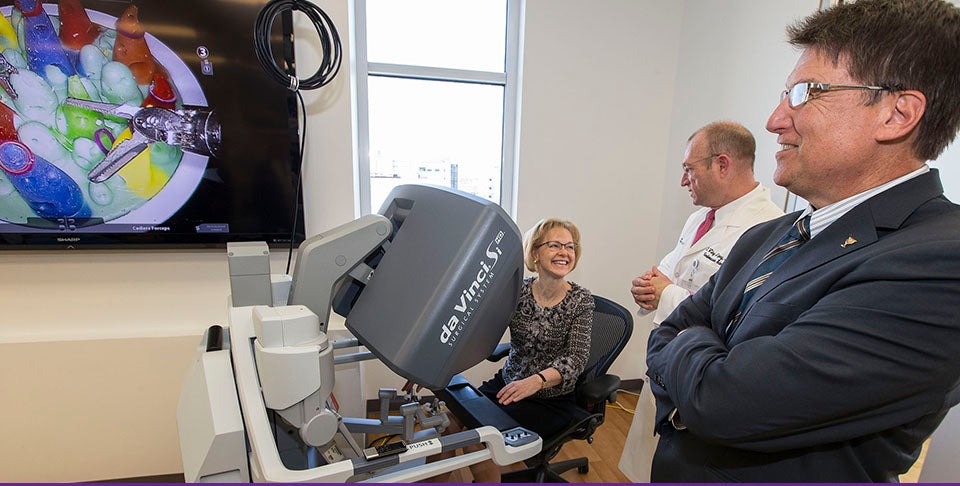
(698, 247)
(716, 233)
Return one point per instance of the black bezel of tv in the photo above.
(248, 192)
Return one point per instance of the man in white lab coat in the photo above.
(718, 173)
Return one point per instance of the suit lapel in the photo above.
(852, 232)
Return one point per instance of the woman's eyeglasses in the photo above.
(556, 246)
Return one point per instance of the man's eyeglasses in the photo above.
(801, 93)
(556, 246)
(688, 167)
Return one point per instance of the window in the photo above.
(436, 96)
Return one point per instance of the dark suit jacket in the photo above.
(840, 368)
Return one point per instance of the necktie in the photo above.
(705, 225)
(798, 235)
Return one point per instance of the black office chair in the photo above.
(612, 326)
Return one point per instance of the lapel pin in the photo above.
(850, 241)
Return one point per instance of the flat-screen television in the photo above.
(144, 124)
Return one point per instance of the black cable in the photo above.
(329, 43)
(296, 200)
(326, 71)
(382, 440)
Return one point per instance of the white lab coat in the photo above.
(690, 267)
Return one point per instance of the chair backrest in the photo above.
(612, 327)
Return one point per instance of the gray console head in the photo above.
(446, 286)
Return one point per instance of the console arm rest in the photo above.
(501, 351)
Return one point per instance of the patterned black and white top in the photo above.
(544, 337)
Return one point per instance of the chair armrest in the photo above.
(603, 387)
(500, 352)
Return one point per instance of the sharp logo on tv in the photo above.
(471, 296)
(110, 117)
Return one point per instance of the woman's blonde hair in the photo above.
(535, 237)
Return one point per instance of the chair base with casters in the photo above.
(591, 395)
(549, 473)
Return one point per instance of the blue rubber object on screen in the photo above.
(46, 188)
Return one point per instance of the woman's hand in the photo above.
(520, 389)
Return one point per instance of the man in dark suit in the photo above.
(836, 363)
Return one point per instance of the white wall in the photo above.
(734, 64)
(949, 165)
(93, 345)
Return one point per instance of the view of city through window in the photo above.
(429, 132)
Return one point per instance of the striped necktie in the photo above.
(798, 235)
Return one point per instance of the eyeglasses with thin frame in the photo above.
(556, 246)
(801, 93)
(688, 167)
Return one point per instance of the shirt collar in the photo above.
(825, 216)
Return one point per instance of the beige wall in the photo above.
(91, 409)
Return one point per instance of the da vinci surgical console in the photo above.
(427, 286)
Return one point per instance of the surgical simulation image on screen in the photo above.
(92, 123)
(115, 117)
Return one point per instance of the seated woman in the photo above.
(549, 341)
(549, 333)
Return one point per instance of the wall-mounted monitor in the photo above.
(144, 124)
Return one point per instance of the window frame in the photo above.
(509, 80)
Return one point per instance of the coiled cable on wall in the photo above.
(326, 71)
(327, 33)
